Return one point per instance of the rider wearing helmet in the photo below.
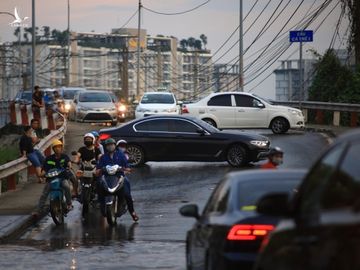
(97, 141)
(111, 157)
(275, 158)
(121, 146)
(61, 161)
(89, 151)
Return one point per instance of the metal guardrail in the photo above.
(20, 164)
(317, 105)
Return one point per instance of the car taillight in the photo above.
(104, 136)
(249, 232)
(184, 109)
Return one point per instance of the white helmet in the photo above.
(121, 142)
(90, 135)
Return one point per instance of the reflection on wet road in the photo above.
(157, 242)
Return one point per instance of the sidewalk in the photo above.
(16, 206)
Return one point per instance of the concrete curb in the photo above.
(328, 134)
(21, 227)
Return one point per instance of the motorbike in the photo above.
(86, 175)
(113, 204)
(58, 209)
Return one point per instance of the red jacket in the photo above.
(268, 165)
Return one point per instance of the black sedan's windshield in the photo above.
(157, 98)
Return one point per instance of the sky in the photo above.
(217, 19)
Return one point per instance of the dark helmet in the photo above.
(110, 141)
(275, 151)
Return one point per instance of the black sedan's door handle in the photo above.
(306, 240)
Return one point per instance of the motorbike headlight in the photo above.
(122, 108)
(260, 143)
(67, 107)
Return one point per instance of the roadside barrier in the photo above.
(21, 114)
(19, 168)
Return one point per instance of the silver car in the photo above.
(94, 107)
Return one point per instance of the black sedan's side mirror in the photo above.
(190, 210)
(275, 204)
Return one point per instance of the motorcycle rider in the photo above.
(89, 151)
(275, 158)
(61, 161)
(121, 146)
(111, 157)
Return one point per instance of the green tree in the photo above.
(191, 42)
(46, 32)
(331, 80)
(198, 44)
(204, 40)
(183, 44)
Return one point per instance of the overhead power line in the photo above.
(175, 13)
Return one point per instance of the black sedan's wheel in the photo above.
(279, 125)
(236, 155)
(136, 155)
(210, 122)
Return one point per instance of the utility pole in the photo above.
(241, 49)
(67, 80)
(301, 76)
(138, 52)
(20, 58)
(196, 74)
(159, 66)
(124, 67)
(33, 67)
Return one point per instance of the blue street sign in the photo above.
(301, 36)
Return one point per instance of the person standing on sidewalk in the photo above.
(27, 150)
(37, 101)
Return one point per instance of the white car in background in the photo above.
(157, 103)
(94, 107)
(68, 94)
(244, 110)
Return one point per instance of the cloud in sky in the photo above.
(217, 20)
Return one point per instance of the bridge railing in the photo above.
(19, 168)
(320, 107)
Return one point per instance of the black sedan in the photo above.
(229, 232)
(179, 138)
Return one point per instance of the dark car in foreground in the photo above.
(320, 228)
(229, 232)
(179, 138)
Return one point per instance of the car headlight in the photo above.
(260, 143)
(122, 108)
(170, 110)
(295, 112)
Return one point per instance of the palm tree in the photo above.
(191, 42)
(198, 44)
(204, 40)
(46, 31)
(183, 43)
(17, 32)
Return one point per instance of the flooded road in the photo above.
(158, 240)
